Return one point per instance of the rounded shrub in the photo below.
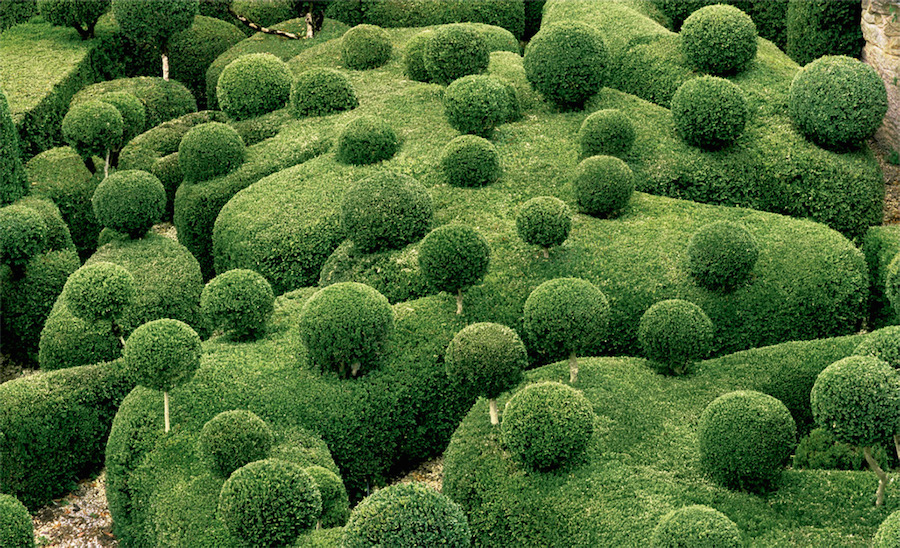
(253, 85)
(745, 438)
(883, 344)
(486, 358)
(239, 301)
(454, 257)
(565, 316)
(386, 210)
(696, 527)
(476, 104)
(366, 140)
(335, 503)
(837, 101)
(233, 439)
(365, 47)
(81, 14)
(709, 112)
(674, 334)
(721, 255)
(265, 12)
(547, 425)
(162, 354)
(129, 201)
(888, 534)
(603, 185)
(163, 100)
(93, 128)
(269, 503)
(719, 39)
(132, 110)
(406, 514)
(469, 161)
(23, 234)
(16, 529)
(345, 327)
(153, 22)
(544, 221)
(606, 132)
(414, 57)
(454, 51)
(99, 291)
(566, 62)
(209, 150)
(193, 50)
(321, 91)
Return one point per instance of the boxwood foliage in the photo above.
(721, 256)
(888, 533)
(23, 235)
(880, 245)
(239, 301)
(815, 29)
(16, 529)
(162, 99)
(486, 358)
(99, 291)
(476, 104)
(470, 160)
(321, 91)
(209, 150)
(134, 115)
(414, 56)
(366, 140)
(709, 112)
(13, 183)
(567, 62)
(253, 85)
(454, 257)
(394, 273)
(454, 51)
(674, 334)
(607, 132)
(883, 344)
(544, 221)
(335, 504)
(719, 39)
(93, 128)
(365, 47)
(696, 526)
(129, 201)
(603, 185)
(233, 439)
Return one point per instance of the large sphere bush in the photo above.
(81, 14)
(470, 161)
(153, 22)
(888, 534)
(486, 358)
(366, 140)
(603, 185)
(722, 255)
(454, 51)
(321, 91)
(16, 529)
(240, 301)
(132, 110)
(566, 315)
(129, 201)
(162, 354)
(209, 150)
(719, 39)
(365, 47)
(883, 344)
(414, 57)
(544, 221)
(696, 527)
(476, 104)
(607, 132)
(233, 439)
(566, 63)
(709, 112)
(23, 234)
(253, 85)
(99, 291)
(454, 257)
(93, 128)
(674, 334)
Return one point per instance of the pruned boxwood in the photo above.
(321, 91)
(674, 334)
(239, 301)
(469, 161)
(721, 255)
(607, 132)
(603, 185)
(454, 51)
(162, 99)
(233, 439)
(93, 128)
(883, 344)
(335, 504)
(82, 15)
(414, 57)
(99, 291)
(365, 47)
(210, 150)
(253, 85)
(23, 234)
(566, 62)
(366, 140)
(16, 529)
(544, 221)
(133, 112)
(709, 112)
(13, 183)
(888, 534)
(477, 104)
(696, 526)
(162, 354)
(194, 49)
(454, 257)
(719, 39)
(129, 201)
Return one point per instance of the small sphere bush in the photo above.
(606, 132)
(129, 201)
(888, 534)
(837, 102)
(386, 211)
(366, 140)
(253, 85)
(603, 185)
(566, 315)
(674, 334)
(335, 503)
(544, 221)
(132, 110)
(454, 51)
(476, 104)
(454, 257)
(209, 150)
(719, 39)
(470, 161)
(721, 255)
(709, 112)
(365, 47)
(240, 301)
(93, 127)
(23, 234)
(696, 527)
(414, 57)
(16, 529)
(99, 291)
(745, 438)
(162, 354)
(547, 425)
(883, 344)
(321, 91)
(566, 63)
(233, 439)
(487, 358)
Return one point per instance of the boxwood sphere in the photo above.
(487, 358)
(883, 344)
(566, 315)
(99, 291)
(335, 502)
(837, 102)
(888, 534)
(696, 526)
(234, 438)
(93, 127)
(129, 201)
(269, 503)
(673, 334)
(719, 39)
(566, 63)
(745, 438)
(722, 255)
(454, 257)
(153, 23)
(162, 354)
(132, 110)
(476, 104)
(321, 91)
(547, 425)
(365, 47)
(469, 161)
(240, 301)
(544, 221)
(607, 132)
(406, 514)
(345, 323)
(454, 51)
(253, 85)
(209, 150)
(603, 185)
(366, 140)
(16, 529)
(709, 112)
(386, 210)
(23, 234)
(414, 57)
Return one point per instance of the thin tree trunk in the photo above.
(309, 23)
(546, 252)
(354, 368)
(165, 63)
(897, 444)
(573, 368)
(318, 525)
(106, 165)
(166, 409)
(492, 404)
(258, 28)
(882, 477)
(459, 302)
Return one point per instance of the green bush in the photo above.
(210, 150)
(335, 504)
(496, 38)
(469, 161)
(253, 85)
(414, 56)
(477, 104)
(162, 354)
(321, 91)
(544, 221)
(264, 12)
(366, 140)
(233, 439)
(134, 115)
(823, 27)
(888, 534)
(709, 112)
(721, 255)
(99, 291)
(603, 185)
(454, 51)
(892, 283)
(13, 183)
(607, 132)
(745, 438)
(719, 39)
(394, 273)
(567, 62)
(240, 301)
(880, 245)
(16, 529)
(129, 201)
(486, 359)
(153, 23)
(837, 102)
(80, 14)
(454, 257)
(23, 235)
(365, 47)
(163, 100)
(13, 12)
(93, 128)
(696, 526)
(883, 344)
(674, 334)
(819, 450)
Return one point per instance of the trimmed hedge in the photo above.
(93, 128)
(888, 534)
(210, 150)
(394, 273)
(233, 439)
(239, 301)
(414, 56)
(366, 140)
(721, 256)
(322, 91)
(134, 115)
(16, 529)
(335, 504)
(566, 316)
(365, 47)
(607, 132)
(719, 39)
(477, 104)
(23, 235)
(674, 334)
(883, 344)
(162, 99)
(544, 221)
(696, 526)
(709, 112)
(816, 28)
(469, 161)
(13, 183)
(99, 291)
(567, 63)
(153, 24)
(454, 51)
(162, 354)
(486, 358)
(253, 85)
(194, 49)
(81, 15)
(880, 245)
(129, 201)
(264, 12)
(603, 185)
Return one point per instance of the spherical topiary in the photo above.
(719, 39)
(153, 22)
(193, 50)
(486, 358)
(696, 527)
(81, 14)
(345, 327)
(544, 221)
(99, 291)
(745, 438)
(603, 185)
(721, 255)
(240, 301)
(209, 150)
(365, 47)
(269, 503)
(321, 91)
(335, 503)
(406, 514)
(23, 234)
(366, 140)
(129, 201)
(93, 128)
(888, 534)
(476, 104)
(253, 85)
(386, 210)
(232, 439)
(607, 132)
(883, 344)
(837, 102)
(414, 56)
(16, 529)
(265, 12)
(454, 257)
(674, 334)
(454, 51)
(132, 110)
(709, 112)
(162, 354)
(470, 160)
(547, 425)
(566, 63)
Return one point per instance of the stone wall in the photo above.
(881, 29)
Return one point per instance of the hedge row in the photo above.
(880, 245)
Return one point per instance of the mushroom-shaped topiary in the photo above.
(233, 439)
(414, 56)
(134, 114)
(269, 503)
(476, 104)
(674, 334)
(153, 23)
(386, 210)
(696, 527)
(161, 355)
(239, 301)
(719, 39)
(709, 112)
(129, 201)
(566, 317)
(745, 438)
(345, 327)
(209, 150)
(23, 234)
(453, 258)
(469, 161)
(606, 132)
(454, 51)
(16, 529)
(544, 221)
(721, 255)
(100, 291)
(365, 47)
(93, 128)
(335, 502)
(321, 91)
(547, 425)
(487, 359)
(366, 140)
(406, 514)
(883, 344)
(888, 534)
(82, 15)
(253, 85)
(603, 185)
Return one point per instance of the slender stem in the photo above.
(492, 404)
(122, 340)
(309, 23)
(165, 66)
(573, 368)
(882, 477)
(459, 302)
(897, 444)
(354, 368)
(546, 252)
(318, 525)
(166, 409)
(106, 165)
